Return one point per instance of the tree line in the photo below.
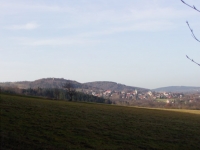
(55, 94)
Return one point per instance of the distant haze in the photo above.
(178, 89)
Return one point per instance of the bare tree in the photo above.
(56, 92)
(193, 35)
(71, 91)
(0, 93)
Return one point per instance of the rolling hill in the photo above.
(58, 83)
(42, 83)
(97, 85)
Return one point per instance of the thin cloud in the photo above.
(64, 41)
(128, 14)
(131, 17)
(147, 26)
(13, 8)
(27, 26)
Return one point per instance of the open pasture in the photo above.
(34, 123)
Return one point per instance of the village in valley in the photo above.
(135, 95)
(111, 92)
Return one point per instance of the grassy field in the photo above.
(33, 123)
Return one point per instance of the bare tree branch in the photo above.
(192, 32)
(192, 60)
(193, 7)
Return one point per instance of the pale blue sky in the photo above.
(134, 42)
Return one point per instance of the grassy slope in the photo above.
(32, 123)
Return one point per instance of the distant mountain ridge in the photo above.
(183, 89)
(58, 83)
(97, 85)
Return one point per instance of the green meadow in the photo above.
(36, 123)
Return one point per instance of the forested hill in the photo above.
(113, 86)
(58, 83)
(43, 83)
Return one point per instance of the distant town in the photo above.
(167, 97)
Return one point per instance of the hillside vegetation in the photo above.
(113, 86)
(41, 83)
(35, 123)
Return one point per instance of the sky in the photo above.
(140, 43)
